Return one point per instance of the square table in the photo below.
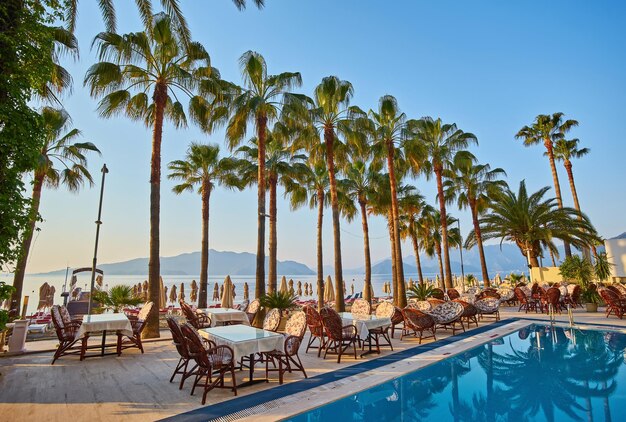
(225, 315)
(245, 341)
(364, 323)
(103, 322)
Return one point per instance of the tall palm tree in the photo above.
(62, 162)
(312, 189)
(130, 66)
(413, 207)
(281, 168)
(328, 112)
(548, 129)
(65, 43)
(472, 186)
(258, 103)
(566, 150)
(203, 167)
(432, 240)
(532, 222)
(443, 142)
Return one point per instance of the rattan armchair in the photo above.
(316, 328)
(338, 337)
(138, 323)
(417, 322)
(182, 367)
(288, 360)
(614, 305)
(197, 320)
(66, 334)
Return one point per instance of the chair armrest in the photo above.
(349, 329)
(223, 350)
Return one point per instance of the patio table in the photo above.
(225, 316)
(245, 341)
(363, 324)
(103, 322)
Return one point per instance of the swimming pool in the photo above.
(538, 373)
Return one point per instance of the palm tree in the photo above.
(413, 208)
(442, 142)
(60, 79)
(432, 239)
(281, 167)
(329, 112)
(532, 222)
(548, 129)
(259, 103)
(131, 65)
(472, 185)
(61, 161)
(565, 150)
(312, 188)
(204, 168)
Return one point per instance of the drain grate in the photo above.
(252, 411)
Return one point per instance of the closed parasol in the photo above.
(73, 283)
(246, 291)
(216, 293)
(193, 295)
(344, 288)
(99, 280)
(162, 294)
(234, 291)
(51, 293)
(221, 292)
(291, 290)
(134, 290)
(283, 285)
(329, 291)
(372, 291)
(352, 288)
(498, 279)
(165, 295)
(227, 296)
(43, 296)
(181, 294)
(299, 288)
(145, 290)
(173, 294)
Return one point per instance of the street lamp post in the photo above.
(104, 170)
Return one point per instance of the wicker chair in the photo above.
(614, 304)
(66, 334)
(252, 310)
(573, 296)
(213, 363)
(197, 320)
(338, 338)
(434, 302)
(525, 303)
(361, 307)
(182, 367)
(616, 291)
(417, 322)
(138, 323)
(421, 305)
(272, 320)
(488, 293)
(288, 359)
(470, 312)
(397, 319)
(453, 294)
(437, 293)
(243, 306)
(552, 297)
(384, 310)
(448, 315)
(488, 306)
(314, 322)
(620, 288)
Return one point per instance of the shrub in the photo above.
(278, 300)
(420, 291)
(117, 297)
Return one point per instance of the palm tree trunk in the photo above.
(259, 288)
(204, 259)
(329, 137)
(444, 229)
(418, 261)
(394, 267)
(154, 264)
(396, 226)
(441, 276)
(572, 186)
(557, 186)
(271, 275)
(479, 243)
(20, 268)
(320, 261)
(367, 286)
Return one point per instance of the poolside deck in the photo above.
(136, 387)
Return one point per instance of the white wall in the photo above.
(616, 252)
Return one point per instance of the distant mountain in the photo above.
(621, 236)
(220, 263)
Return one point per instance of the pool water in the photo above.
(538, 373)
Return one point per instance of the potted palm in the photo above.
(5, 293)
(420, 291)
(117, 298)
(581, 271)
(283, 301)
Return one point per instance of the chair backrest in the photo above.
(194, 345)
(187, 311)
(453, 294)
(332, 323)
(447, 312)
(178, 337)
(535, 289)
(417, 319)
(296, 324)
(313, 320)
(421, 305)
(361, 307)
(469, 310)
(520, 295)
(244, 305)
(553, 296)
(254, 306)
(488, 304)
(609, 296)
(505, 293)
(272, 320)
(614, 290)
(385, 310)
(434, 302)
(621, 289)
(65, 315)
(437, 293)
(575, 294)
(145, 311)
(57, 321)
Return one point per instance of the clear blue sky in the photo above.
(489, 66)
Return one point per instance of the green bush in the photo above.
(5, 293)
(278, 300)
(602, 268)
(117, 297)
(420, 291)
(577, 269)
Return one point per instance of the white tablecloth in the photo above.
(221, 315)
(101, 322)
(244, 340)
(364, 323)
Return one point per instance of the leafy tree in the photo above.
(203, 167)
(420, 291)
(548, 129)
(279, 300)
(132, 65)
(444, 145)
(602, 267)
(5, 293)
(575, 268)
(531, 221)
(117, 297)
(62, 161)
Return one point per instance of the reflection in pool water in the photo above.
(536, 374)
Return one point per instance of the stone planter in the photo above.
(591, 307)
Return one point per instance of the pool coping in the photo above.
(258, 404)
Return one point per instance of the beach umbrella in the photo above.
(193, 295)
(216, 292)
(139, 289)
(181, 294)
(134, 290)
(329, 291)
(283, 285)
(306, 289)
(291, 290)
(498, 279)
(145, 290)
(234, 293)
(162, 294)
(73, 282)
(372, 291)
(221, 292)
(43, 296)
(246, 291)
(51, 293)
(99, 280)
(299, 289)
(173, 294)
(165, 295)
(227, 293)
(352, 288)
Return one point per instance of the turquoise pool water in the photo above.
(538, 373)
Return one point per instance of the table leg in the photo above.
(251, 380)
(104, 340)
(369, 344)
